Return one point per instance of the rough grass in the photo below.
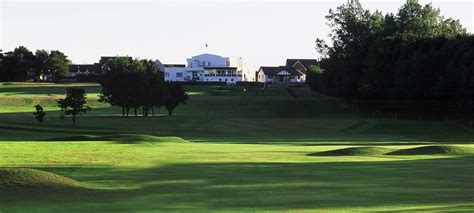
(354, 151)
(27, 180)
(435, 149)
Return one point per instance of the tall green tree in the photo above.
(398, 55)
(21, 64)
(41, 63)
(417, 21)
(57, 64)
(17, 65)
(352, 30)
(144, 84)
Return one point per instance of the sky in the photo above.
(264, 32)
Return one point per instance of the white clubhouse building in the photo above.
(208, 68)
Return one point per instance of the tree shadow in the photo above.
(253, 130)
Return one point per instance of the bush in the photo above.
(39, 114)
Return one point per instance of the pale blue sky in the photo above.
(263, 32)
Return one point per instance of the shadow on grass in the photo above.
(269, 186)
(258, 130)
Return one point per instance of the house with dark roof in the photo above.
(83, 69)
(294, 72)
(93, 69)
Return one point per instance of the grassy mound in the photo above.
(137, 138)
(35, 180)
(433, 150)
(354, 151)
(121, 138)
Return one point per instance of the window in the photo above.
(167, 74)
(231, 79)
(226, 80)
(179, 75)
(208, 63)
(220, 79)
(283, 72)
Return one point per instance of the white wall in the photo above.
(176, 73)
(208, 60)
(197, 63)
(248, 74)
(227, 79)
(262, 77)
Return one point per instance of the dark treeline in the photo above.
(21, 65)
(134, 84)
(415, 54)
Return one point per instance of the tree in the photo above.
(352, 30)
(17, 65)
(144, 83)
(314, 79)
(41, 63)
(21, 64)
(173, 95)
(414, 20)
(57, 64)
(154, 81)
(74, 103)
(398, 55)
(1, 64)
(123, 71)
(39, 114)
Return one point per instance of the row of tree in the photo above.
(415, 54)
(134, 84)
(21, 64)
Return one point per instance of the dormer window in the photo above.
(283, 72)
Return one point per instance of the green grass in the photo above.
(228, 150)
(32, 180)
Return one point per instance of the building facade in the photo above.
(294, 72)
(208, 68)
